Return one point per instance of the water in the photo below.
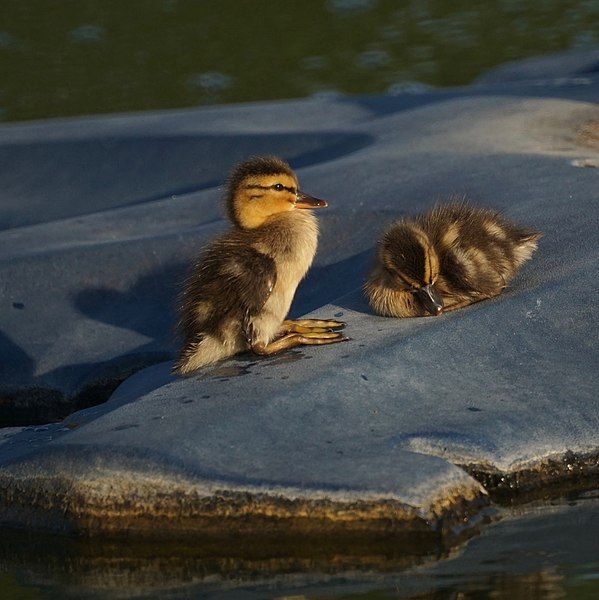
(534, 552)
(95, 56)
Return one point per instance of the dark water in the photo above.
(547, 551)
(94, 56)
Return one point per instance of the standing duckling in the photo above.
(240, 290)
(445, 259)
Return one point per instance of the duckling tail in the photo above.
(200, 351)
(526, 244)
(187, 361)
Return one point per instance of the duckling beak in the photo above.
(431, 299)
(305, 201)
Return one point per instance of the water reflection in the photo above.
(116, 569)
(544, 552)
(96, 56)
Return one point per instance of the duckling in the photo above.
(447, 258)
(239, 292)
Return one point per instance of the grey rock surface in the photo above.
(560, 68)
(89, 264)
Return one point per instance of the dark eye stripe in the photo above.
(279, 187)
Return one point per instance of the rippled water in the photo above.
(549, 551)
(93, 56)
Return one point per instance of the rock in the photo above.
(561, 68)
(213, 460)
(363, 435)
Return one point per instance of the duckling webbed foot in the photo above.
(292, 340)
(311, 326)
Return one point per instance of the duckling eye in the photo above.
(278, 186)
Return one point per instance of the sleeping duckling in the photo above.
(240, 290)
(445, 259)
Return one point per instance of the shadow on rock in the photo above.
(325, 284)
(14, 360)
(36, 403)
(116, 171)
(147, 307)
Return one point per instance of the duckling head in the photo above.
(408, 254)
(263, 187)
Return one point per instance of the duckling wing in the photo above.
(230, 283)
(248, 277)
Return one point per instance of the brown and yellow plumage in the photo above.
(240, 290)
(447, 258)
